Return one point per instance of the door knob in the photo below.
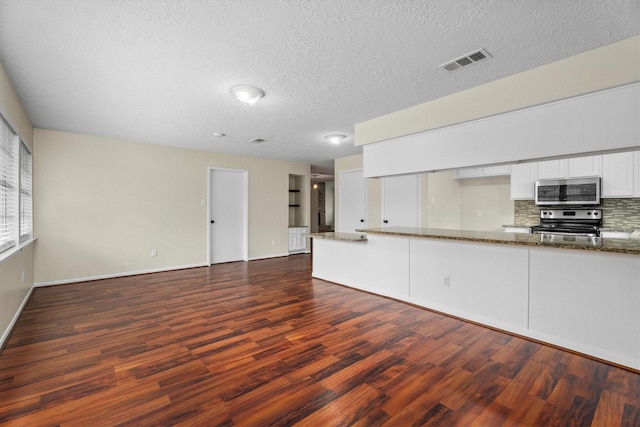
(212, 221)
(386, 221)
(362, 220)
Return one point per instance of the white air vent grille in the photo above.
(257, 141)
(468, 59)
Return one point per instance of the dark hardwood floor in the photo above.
(261, 343)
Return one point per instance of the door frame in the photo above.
(245, 222)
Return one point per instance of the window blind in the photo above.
(8, 178)
(26, 193)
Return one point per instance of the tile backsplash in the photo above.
(618, 214)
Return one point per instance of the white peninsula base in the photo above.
(586, 301)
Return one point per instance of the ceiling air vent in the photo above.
(257, 141)
(468, 59)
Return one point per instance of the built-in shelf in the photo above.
(297, 192)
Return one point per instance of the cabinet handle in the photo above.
(212, 221)
(386, 221)
(362, 220)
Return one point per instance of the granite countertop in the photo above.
(625, 246)
(345, 237)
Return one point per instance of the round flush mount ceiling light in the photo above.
(248, 95)
(335, 138)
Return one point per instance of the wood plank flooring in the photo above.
(262, 343)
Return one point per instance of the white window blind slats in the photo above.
(26, 193)
(8, 181)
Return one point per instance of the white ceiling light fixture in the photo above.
(248, 95)
(335, 138)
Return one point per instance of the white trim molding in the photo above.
(114, 275)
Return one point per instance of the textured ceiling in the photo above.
(159, 71)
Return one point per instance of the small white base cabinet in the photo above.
(297, 239)
(587, 301)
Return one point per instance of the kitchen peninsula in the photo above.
(580, 295)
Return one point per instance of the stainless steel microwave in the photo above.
(573, 191)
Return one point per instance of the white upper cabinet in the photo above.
(576, 167)
(618, 175)
(552, 169)
(482, 172)
(467, 173)
(523, 178)
(584, 166)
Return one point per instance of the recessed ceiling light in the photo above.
(335, 138)
(248, 95)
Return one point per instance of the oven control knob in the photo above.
(595, 213)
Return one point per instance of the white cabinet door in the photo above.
(293, 239)
(351, 201)
(400, 201)
(552, 169)
(523, 178)
(486, 171)
(499, 170)
(301, 243)
(297, 239)
(618, 175)
(584, 166)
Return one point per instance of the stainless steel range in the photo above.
(569, 222)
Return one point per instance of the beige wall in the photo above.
(445, 202)
(485, 203)
(104, 204)
(441, 200)
(598, 69)
(13, 290)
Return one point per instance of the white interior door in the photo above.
(351, 201)
(228, 215)
(400, 201)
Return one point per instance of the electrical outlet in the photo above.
(446, 282)
(22, 277)
(479, 212)
(273, 243)
(154, 252)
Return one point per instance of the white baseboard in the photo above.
(11, 324)
(113, 275)
(268, 257)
